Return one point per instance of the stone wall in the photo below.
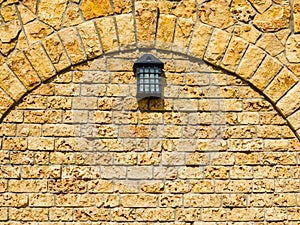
(221, 147)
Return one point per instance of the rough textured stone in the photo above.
(26, 15)
(145, 12)
(247, 32)
(280, 85)
(242, 10)
(10, 83)
(40, 61)
(93, 9)
(165, 31)
(183, 32)
(36, 31)
(9, 31)
(288, 104)
(296, 16)
(216, 13)
(122, 6)
(72, 16)
(292, 48)
(51, 12)
(73, 45)
(270, 44)
(56, 52)
(90, 39)
(9, 13)
(266, 72)
(186, 9)
(261, 5)
(217, 46)
(108, 34)
(24, 71)
(274, 19)
(126, 32)
(234, 53)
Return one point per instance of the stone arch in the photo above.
(25, 70)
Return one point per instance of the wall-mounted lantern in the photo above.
(148, 70)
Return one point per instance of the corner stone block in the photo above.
(89, 37)
(146, 12)
(294, 120)
(126, 32)
(296, 15)
(250, 62)
(217, 46)
(10, 83)
(73, 45)
(20, 65)
(200, 40)
(40, 61)
(280, 85)
(289, 103)
(108, 34)
(183, 34)
(165, 31)
(268, 69)
(56, 52)
(5, 102)
(234, 53)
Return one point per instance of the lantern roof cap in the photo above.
(148, 60)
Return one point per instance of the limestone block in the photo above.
(142, 200)
(250, 62)
(214, 214)
(58, 214)
(9, 13)
(201, 200)
(234, 53)
(214, 172)
(276, 214)
(107, 200)
(274, 19)
(149, 158)
(261, 5)
(108, 34)
(10, 172)
(216, 13)
(58, 130)
(155, 214)
(3, 214)
(9, 31)
(296, 15)
(42, 116)
(90, 39)
(93, 9)
(185, 214)
(126, 32)
(52, 12)
(40, 61)
(241, 172)
(29, 214)
(41, 200)
(122, 7)
(57, 102)
(73, 45)
(266, 72)
(19, 64)
(242, 214)
(109, 172)
(140, 172)
(261, 186)
(60, 158)
(123, 215)
(72, 16)
(177, 186)
(288, 104)
(247, 32)
(23, 186)
(170, 200)
(202, 186)
(25, 14)
(67, 186)
(91, 214)
(165, 31)
(39, 143)
(36, 31)
(196, 159)
(100, 186)
(41, 172)
(280, 85)
(270, 131)
(234, 200)
(186, 9)
(242, 10)
(286, 185)
(233, 186)
(14, 143)
(56, 52)
(145, 12)
(217, 46)
(82, 200)
(270, 44)
(183, 31)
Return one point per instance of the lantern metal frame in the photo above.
(148, 70)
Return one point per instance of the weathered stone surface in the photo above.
(266, 72)
(145, 12)
(216, 13)
(5, 102)
(10, 83)
(242, 10)
(280, 85)
(165, 31)
(124, 6)
(296, 16)
(26, 14)
(250, 62)
(270, 44)
(200, 39)
(217, 46)
(22, 42)
(19, 64)
(73, 45)
(247, 32)
(40, 61)
(7, 48)
(288, 104)
(274, 19)
(51, 12)
(186, 9)
(9, 13)
(261, 5)
(72, 16)
(93, 8)
(126, 32)
(292, 48)
(56, 52)
(108, 34)
(36, 31)
(9, 31)
(183, 32)
(90, 39)
(234, 53)
(30, 4)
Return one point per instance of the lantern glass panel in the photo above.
(149, 82)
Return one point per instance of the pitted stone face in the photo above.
(81, 147)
